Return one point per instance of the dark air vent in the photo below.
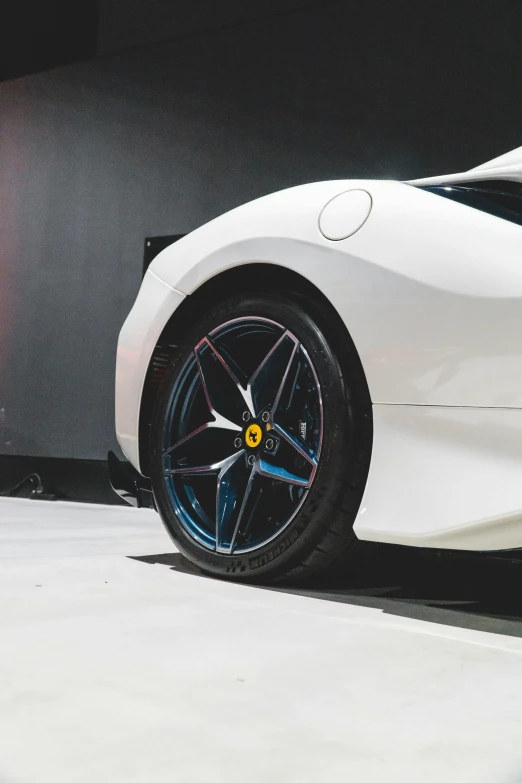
(501, 198)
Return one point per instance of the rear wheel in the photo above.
(260, 440)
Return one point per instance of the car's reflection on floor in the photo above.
(475, 591)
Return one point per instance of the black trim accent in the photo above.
(154, 246)
(130, 485)
(502, 198)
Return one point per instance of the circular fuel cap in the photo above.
(344, 214)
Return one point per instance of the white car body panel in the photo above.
(433, 306)
(508, 166)
(444, 477)
(152, 309)
(431, 293)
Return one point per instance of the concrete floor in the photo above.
(121, 669)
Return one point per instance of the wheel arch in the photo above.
(250, 276)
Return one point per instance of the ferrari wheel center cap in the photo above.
(253, 436)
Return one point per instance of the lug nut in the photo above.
(246, 416)
(269, 444)
(265, 416)
(251, 459)
(238, 443)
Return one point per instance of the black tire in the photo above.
(320, 537)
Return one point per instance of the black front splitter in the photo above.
(130, 485)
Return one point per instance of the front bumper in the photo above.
(139, 335)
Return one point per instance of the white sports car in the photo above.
(333, 362)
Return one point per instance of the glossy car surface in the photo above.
(427, 278)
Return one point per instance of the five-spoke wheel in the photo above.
(242, 435)
(260, 437)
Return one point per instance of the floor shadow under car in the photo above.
(474, 591)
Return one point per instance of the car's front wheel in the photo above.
(261, 439)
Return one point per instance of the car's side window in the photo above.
(502, 198)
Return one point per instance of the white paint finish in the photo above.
(345, 214)
(444, 477)
(138, 337)
(430, 290)
(474, 175)
(119, 670)
(431, 293)
(507, 166)
(513, 159)
(442, 244)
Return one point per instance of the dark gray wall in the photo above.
(157, 140)
(136, 23)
